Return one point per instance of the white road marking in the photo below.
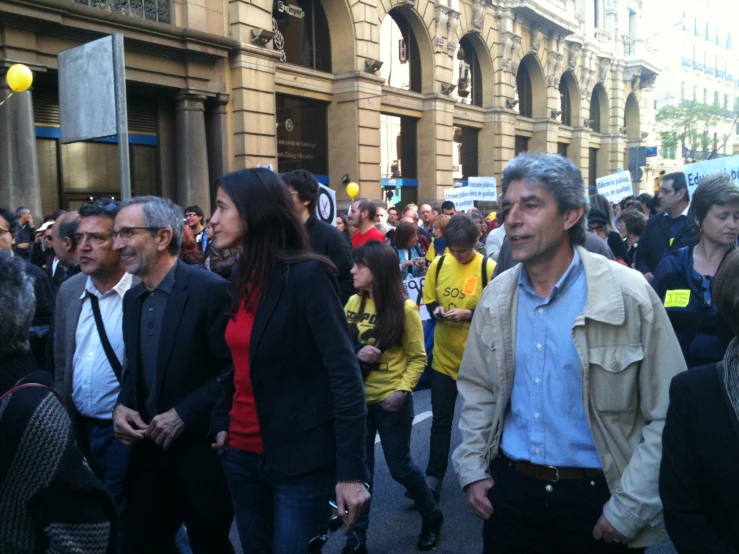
(419, 418)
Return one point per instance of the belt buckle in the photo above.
(556, 473)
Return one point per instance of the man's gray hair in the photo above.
(17, 305)
(559, 176)
(161, 214)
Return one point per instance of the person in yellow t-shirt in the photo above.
(386, 328)
(438, 246)
(453, 287)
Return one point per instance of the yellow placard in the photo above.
(677, 298)
(470, 285)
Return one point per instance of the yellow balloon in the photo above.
(19, 77)
(352, 189)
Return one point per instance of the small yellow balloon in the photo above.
(352, 189)
(19, 77)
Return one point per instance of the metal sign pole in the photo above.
(119, 72)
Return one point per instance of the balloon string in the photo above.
(8, 98)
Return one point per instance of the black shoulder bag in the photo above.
(109, 353)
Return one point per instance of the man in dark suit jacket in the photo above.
(174, 325)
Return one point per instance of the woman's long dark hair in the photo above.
(387, 290)
(273, 233)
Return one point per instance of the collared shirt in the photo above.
(94, 384)
(152, 315)
(545, 422)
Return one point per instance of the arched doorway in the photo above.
(569, 100)
(530, 88)
(400, 54)
(599, 109)
(632, 118)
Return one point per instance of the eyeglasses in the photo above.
(663, 190)
(3, 231)
(597, 229)
(97, 239)
(125, 233)
(192, 214)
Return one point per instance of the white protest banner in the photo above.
(694, 173)
(615, 187)
(326, 205)
(414, 289)
(461, 198)
(483, 188)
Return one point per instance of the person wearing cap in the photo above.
(598, 224)
(41, 245)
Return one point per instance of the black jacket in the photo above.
(699, 481)
(307, 385)
(654, 242)
(192, 348)
(328, 241)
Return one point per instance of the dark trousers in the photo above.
(395, 437)
(276, 514)
(107, 456)
(161, 494)
(529, 520)
(443, 400)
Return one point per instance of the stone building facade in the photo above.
(404, 94)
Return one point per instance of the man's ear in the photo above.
(572, 216)
(166, 236)
(67, 244)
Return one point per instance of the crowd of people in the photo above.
(163, 375)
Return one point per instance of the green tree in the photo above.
(690, 125)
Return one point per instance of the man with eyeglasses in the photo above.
(195, 219)
(88, 343)
(43, 289)
(668, 231)
(174, 324)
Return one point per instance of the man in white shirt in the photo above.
(89, 348)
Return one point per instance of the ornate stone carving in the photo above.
(555, 69)
(603, 68)
(478, 15)
(452, 24)
(587, 82)
(648, 84)
(441, 23)
(515, 53)
(411, 3)
(573, 54)
(536, 35)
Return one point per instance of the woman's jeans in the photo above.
(276, 514)
(395, 436)
(443, 401)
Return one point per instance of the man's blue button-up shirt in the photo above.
(545, 423)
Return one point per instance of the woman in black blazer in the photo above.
(290, 423)
(699, 476)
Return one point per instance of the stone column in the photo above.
(217, 146)
(19, 175)
(192, 156)
(435, 133)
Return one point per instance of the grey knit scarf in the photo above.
(731, 374)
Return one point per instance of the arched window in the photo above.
(302, 34)
(599, 109)
(523, 90)
(399, 53)
(565, 104)
(468, 74)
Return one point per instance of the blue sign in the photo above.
(651, 151)
(398, 182)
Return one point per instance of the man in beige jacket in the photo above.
(565, 382)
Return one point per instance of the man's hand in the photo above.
(394, 402)
(458, 314)
(368, 354)
(23, 245)
(649, 277)
(604, 531)
(351, 499)
(165, 428)
(128, 425)
(221, 442)
(477, 498)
